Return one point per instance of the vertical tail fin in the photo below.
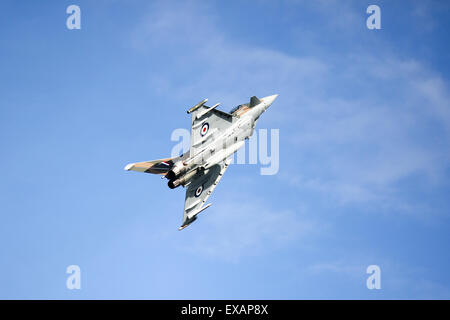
(254, 101)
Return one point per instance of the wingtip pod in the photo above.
(191, 218)
(198, 105)
(184, 226)
(202, 113)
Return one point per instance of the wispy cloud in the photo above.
(366, 145)
(233, 230)
(398, 280)
(221, 68)
(359, 122)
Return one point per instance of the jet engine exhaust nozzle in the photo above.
(173, 183)
(182, 181)
(178, 169)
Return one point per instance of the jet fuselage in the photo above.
(212, 151)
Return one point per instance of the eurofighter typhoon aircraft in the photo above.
(215, 136)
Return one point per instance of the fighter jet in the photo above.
(215, 136)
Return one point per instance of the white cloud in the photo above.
(221, 68)
(367, 144)
(397, 279)
(358, 123)
(237, 229)
(339, 266)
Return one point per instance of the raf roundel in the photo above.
(204, 128)
(198, 191)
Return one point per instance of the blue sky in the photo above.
(363, 116)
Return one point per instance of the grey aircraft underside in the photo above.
(215, 136)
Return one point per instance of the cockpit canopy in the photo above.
(237, 108)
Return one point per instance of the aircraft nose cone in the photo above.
(270, 99)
